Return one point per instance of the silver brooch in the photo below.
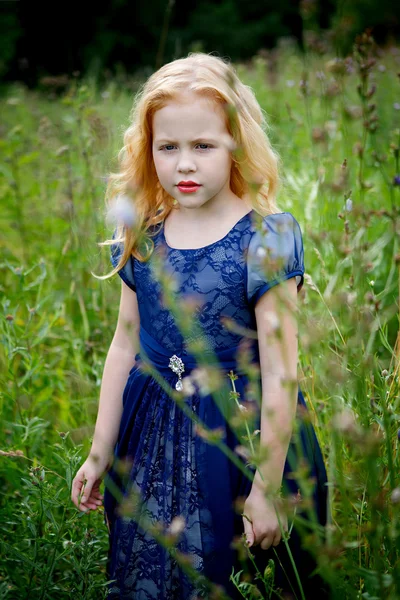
(177, 366)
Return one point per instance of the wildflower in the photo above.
(336, 65)
(123, 466)
(272, 320)
(243, 452)
(351, 297)
(396, 106)
(261, 252)
(229, 142)
(396, 180)
(398, 434)
(121, 209)
(345, 421)
(130, 505)
(211, 435)
(188, 388)
(62, 150)
(319, 134)
(395, 496)
(207, 379)
(349, 204)
(177, 526)
(12, 453)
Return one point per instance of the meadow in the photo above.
(336, 124)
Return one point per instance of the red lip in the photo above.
(190, 183)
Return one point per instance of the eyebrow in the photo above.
(200, 139)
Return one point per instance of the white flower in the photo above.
(121, 209)
(272, 320)
(261, 252)
(177, 525)
(345, 420)
(243, 452)
(395, 496)
(188, 388)
(349, 204)
(242, 408)
(202, 378)
(229, 142)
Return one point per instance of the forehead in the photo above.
(187, 115)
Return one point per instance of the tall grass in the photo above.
(336, 124)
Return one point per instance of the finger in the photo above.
(75, 497)
(248, 530)
(87, 506)
(97, 495)
(87, 491)
(277, 539)
(92, 505)
(266, 542)
(76, 488)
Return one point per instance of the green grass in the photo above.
(340, 149)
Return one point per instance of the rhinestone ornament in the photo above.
(177, 366)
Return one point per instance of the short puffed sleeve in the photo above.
(126, 273)
(275, 253)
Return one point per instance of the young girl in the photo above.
(192, 154)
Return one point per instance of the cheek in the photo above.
(162, 166)
(221, 165)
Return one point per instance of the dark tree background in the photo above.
(49, 38)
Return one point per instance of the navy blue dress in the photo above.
(168, 461)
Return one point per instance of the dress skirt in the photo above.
(167, 474)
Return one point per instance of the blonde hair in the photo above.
(254, 171)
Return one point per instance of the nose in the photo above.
(186, 163)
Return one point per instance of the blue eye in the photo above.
(166, 147)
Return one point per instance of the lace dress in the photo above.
(167, 460)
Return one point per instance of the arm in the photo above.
(278, 362)
(119, 361)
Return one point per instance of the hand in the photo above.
(87, 482)
(264, 526)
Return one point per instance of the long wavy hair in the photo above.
(255, 164)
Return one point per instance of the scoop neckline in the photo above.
(208, 245)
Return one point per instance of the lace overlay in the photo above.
(175, 472)
(225, 278)
(164, 474)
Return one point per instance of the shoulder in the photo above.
(275, 253)
(278, 231)
(277, 222)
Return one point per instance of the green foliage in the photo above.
(336, 126)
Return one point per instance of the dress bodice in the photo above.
(225, 279)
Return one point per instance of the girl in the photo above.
(193, 154)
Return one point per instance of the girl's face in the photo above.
(191, 144)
